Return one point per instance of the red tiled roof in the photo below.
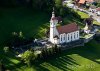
(68, 28)
(98, 9)
(82, 1)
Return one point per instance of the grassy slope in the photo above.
(77, 59)
(25, 20)
(84, 15)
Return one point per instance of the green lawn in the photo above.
(31, 23)
(85, 58)
(84, 15)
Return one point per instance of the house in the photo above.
(88, 25)
(62, 34)
(82, 2)
(98, 11)
(92, 9)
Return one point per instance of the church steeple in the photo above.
(53, 21)
(53, 29)
(53, 13)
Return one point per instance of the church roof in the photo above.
(56, 37)
(67, 28)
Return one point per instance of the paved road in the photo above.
(95, 17)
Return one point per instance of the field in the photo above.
(84, 15)
(85, 58)
(27, 21)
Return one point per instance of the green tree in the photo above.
(58, 3)
(28, 56)
(6, 49)
(62, 12)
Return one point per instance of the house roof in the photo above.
(82, 1)
(98, 9)
(67, 28)
(56, 37)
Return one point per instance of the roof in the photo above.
(67, 28)
(56, 37)
(82, 1)
(98, 9)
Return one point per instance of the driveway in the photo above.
(95, 16)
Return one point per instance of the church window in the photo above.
(68, 37)
(77, 34)
(71, 36)
(61, 37)
(74, 35)
(64, 37)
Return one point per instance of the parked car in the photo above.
(98, 13)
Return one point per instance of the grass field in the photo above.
(21, 19)
(85, 58)
(84, 15)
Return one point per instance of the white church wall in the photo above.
(60, 38)
(69, 37)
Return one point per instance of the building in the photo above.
(92, 9)
(62, 34)
(98, 11)
(88, 25)
(82, 2)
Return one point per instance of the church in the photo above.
(63, 34)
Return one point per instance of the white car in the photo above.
(98, 13)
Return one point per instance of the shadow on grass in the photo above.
(60, 62)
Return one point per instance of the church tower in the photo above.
(53, 29)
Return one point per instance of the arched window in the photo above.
(64, 37)
(67, 37)
(61, 37)
(74, 36)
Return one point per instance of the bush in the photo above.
(28, 56)
(6, 49)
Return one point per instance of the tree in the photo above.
(62, 12)
(6, 49)
(58, 3)
(28, 56)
